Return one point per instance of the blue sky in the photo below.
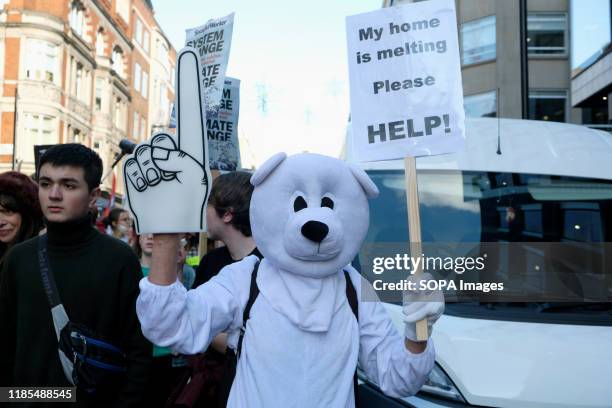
(292, 52)
(591, 28)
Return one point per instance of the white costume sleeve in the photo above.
(382, 353)
(187, 321)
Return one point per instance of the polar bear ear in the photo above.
(365, 181)
(268, 167)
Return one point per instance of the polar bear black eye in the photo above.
(327, 202)
(299, 204)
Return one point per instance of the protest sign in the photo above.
(167, 179)
(406, 92)
(222, 129)
(212, 41)
(38, 151)
(405, 77)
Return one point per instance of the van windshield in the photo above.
(479, 207)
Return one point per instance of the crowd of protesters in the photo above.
(50, 222)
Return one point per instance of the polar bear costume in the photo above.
(302, 342)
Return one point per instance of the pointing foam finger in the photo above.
(190, 116)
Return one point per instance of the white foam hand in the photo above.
(167, 185)
(421, 304)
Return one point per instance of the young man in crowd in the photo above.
(96, 277)
(227, 220)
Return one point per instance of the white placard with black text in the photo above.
(222, 129)
(405, 81)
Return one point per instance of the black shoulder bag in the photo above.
(90, 362)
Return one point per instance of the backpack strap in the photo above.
(351, 296)
(58, 313)
(253, 293)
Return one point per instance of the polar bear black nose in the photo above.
(315, 231)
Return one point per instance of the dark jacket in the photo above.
(97, 279)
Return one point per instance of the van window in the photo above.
(479, 207)
(474, 206)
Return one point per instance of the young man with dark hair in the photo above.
(97, 282)
(227, 220)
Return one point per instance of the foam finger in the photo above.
(190, 115)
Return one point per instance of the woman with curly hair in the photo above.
(20, 213)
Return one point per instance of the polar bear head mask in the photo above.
(309, 213)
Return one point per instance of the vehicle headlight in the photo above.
(440, 385)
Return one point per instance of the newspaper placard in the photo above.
(405, 81)
(222, 129)
(213, 41)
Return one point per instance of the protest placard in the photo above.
(406, 92)
(405, 81)
(212, 41)
(222, 129)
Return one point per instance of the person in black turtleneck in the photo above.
(97, 279)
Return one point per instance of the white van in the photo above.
(557, 178)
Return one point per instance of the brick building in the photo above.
(86, 71)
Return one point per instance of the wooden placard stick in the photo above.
(414, 228)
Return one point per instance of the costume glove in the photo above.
(421, 304)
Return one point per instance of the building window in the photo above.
(546, 34)
(99, 91)
(164, 101)
(136, 126)
(77, 17)
(137, 74)
(122, 7)
(76, 136)
(42, 60)
(100, 42)
(78, 84)
(145, 84)
(117, 61)
(482, 105)
(548, 105)
(145, 40)
(119, 121)
(141, 35)
(39, 129)
(162, 55)
(582, 222)
(143, 127)
(478, 40)
(138, 31)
